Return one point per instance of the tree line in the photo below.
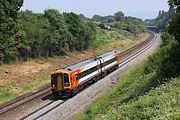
(120, 21)
(25, 35)
(8, 29)
(52, 33)
(162, 20)
(166, 62)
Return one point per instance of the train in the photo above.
(69, 80)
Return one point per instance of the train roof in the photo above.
(86, 62)
(78, 65)
(106, 54)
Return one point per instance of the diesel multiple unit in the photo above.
(67, 81)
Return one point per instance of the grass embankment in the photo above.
(116, 39)
(17, 79)
(138, 96)
(108, 35)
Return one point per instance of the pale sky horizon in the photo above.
(145, 9)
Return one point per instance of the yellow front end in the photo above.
(60, 82)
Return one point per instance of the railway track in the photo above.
(52, 105)
(12, 104)
(39, 111)
(44, 91)
(40, 115)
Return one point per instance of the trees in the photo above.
(162, 20)
(61, 35)
(98, 18)
(32, 35)
(25, 35)
(84, 18)
(174, 27)
(166, 61)
(8, 13)
(118, 20)
(83, 33)
(132, 25)
(175, 3)
(52, 33)
(110, 19)
(119, 16)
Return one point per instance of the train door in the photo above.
(100, 67)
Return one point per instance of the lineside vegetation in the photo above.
(137, 96)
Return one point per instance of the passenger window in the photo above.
(66, 80)
(77, 76)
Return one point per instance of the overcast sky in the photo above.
(138, 8)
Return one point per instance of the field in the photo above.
(19, 78)
(138, 96)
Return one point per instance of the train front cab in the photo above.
(60, 83)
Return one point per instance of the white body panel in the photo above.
(106, 59)
(91, 65)
(110, 65)
(88, 76)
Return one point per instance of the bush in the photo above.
(166, 61)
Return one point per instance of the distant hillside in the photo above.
(161, 21)
(118, 21)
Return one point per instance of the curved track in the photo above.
(12, 106)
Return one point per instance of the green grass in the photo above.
(6, 92)
(6, 95)
(137, 96)
(11, 89)
(108, 35)
(38, 82)
(104, 37)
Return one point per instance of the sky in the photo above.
(145, 9)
